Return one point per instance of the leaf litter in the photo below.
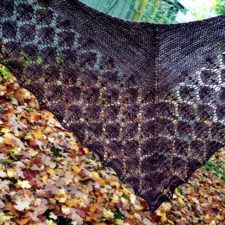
(47, 177)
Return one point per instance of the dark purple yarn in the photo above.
(147, 99)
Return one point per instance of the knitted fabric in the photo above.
(148, 99)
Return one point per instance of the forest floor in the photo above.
(47, 177)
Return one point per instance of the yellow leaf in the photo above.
(72, 202)
(98, 178)
(4, 218)
(88, 219)
(33, 152)
(74, 145)
(44, 179)
(66, 210)
(24, 184)
(181, 202)
(100, 181)
(22, 221)
(8, 140)
(48, 130)
(5, 130)
(120, 222)
(51, 171)
(165, 207)
(171, 222)
(51, 222)
(37, 134)
(108, 214)
(213, 223)
(115, 198)
(15, 150)
(76, 169)
(163, 218)
(11, 172)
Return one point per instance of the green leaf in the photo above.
(55, 151)
(5, 72)
(125, 196)
(118, 215)
(93, 158)
(63, 221)
(217, 168)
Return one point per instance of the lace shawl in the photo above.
(148, 99)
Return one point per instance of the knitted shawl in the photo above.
(148, 99)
